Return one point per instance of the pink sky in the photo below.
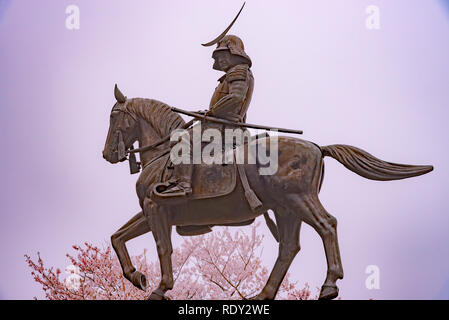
(317, 68)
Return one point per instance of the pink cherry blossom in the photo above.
(220, 265)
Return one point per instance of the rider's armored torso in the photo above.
(244, 88)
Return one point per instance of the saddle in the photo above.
(210, 181)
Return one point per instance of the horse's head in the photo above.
(123, 130)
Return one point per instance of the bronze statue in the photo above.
(212, 195)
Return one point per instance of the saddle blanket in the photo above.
(214, 180)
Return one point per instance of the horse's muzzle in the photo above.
(111, 157)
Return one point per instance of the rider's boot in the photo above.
(179, 186)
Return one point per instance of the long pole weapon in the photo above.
(211, 119)
(232, 123)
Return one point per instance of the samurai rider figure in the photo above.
(230, 101)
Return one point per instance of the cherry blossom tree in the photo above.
(220, 265)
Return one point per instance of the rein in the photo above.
(156, 158)
(159, 142)
(134, 166)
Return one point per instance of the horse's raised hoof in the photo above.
(328, 292)
(158, 295)
(139, 280)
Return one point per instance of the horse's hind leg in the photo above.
(288, 226)
(135, 227)
(314, 214)
(158, 221)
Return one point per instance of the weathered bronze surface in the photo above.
(291, 193)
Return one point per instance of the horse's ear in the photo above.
(119, 95)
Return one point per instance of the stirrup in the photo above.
(170, 189)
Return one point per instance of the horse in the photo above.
(291, 193)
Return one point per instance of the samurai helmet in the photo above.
(230, 42)
(235, 46)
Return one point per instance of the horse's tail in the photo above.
(368, 166)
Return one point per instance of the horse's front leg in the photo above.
(158, 220)
(132, 229)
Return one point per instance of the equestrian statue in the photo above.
(194, 197)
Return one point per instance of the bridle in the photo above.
(122, 152)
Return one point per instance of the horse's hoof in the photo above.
(158, 295)
(328, 292)
(139, 280)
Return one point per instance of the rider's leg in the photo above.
(183, 172)
(181, 182)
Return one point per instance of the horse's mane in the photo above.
(158, 114)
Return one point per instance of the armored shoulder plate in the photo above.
(237, 73)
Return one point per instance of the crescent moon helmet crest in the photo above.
(230, 42)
